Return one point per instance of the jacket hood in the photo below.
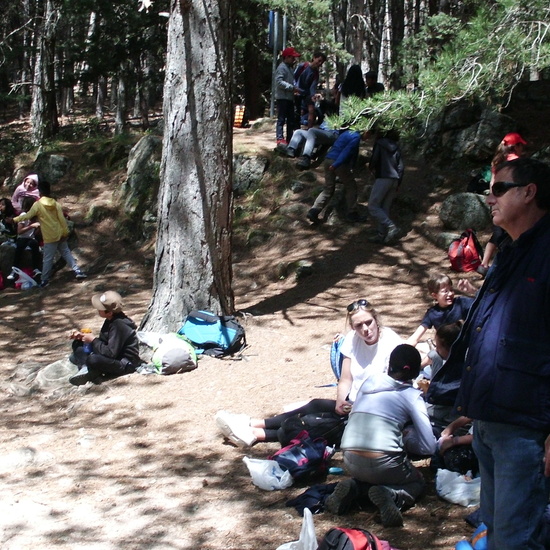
(48, 202)
(388, 144)
(382, 382)
(126, 320)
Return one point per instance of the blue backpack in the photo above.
(213, 335)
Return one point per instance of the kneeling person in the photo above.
(114, 352)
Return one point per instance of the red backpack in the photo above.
(465, 253)
(339, 538)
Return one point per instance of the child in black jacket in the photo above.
(114, 352)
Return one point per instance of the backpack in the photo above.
(174, 354)
(465, 252)
(339, 538)
(336, 357)
(213, 335)
(304, 457)
(326, 425)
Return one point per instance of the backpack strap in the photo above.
(204, 316)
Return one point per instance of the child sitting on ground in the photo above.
(114, 352)
(26, 233)
(447, 309)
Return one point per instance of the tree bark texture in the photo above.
(193, 254)
(44, 121)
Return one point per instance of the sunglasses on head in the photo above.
(357, 304)
(501, 187)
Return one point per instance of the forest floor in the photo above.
(138, 462)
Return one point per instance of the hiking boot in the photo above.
(392, 235)
(79, 274)
(236, 427)
(81, 377)
(343, 498)
(313, 215)
(281, 148)
(385, 499)
(290, 152)
(304, 162)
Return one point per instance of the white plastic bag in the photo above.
(267, 474)
(26, 281)
(458, 488)
(308, 538)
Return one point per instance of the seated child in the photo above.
(114, 352)
(372, 443)
(26, 233)
(7, 212)
(447, 309)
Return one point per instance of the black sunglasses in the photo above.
(357, 304)
(501, 187)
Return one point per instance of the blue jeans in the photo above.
(49, 251)
(514, 490)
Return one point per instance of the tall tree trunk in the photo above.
(44, 108)
(193, 255)
(120, 113)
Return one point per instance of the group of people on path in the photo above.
(343, 144)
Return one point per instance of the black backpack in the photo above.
(328, 426)
(339, 538)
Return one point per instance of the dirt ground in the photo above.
(137, 462)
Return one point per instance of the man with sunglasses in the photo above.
(500, 364)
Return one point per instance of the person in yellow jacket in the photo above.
(54, 232)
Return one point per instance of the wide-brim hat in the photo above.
(108, 301)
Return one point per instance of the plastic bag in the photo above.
(24, 281)
(308, 538)
(267, 474)
(458, 488)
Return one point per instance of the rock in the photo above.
(51, 167)
(247, 172)
(465, 210)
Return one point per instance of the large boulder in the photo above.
(247, 172)
(139, 192)
(465, 210)
(51, 167)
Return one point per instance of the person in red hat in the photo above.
(284, 95)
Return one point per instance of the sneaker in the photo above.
(281, 142)
(304, 162)
(377, 239)
(290, 152)
(313, 215)
(44, 284)
(343, 498)
(11, 276)
(36, 272)
(80, 274)
(81, 377)
(392, 235)
(236, 427)
(384, 499)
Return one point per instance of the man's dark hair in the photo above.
(319, 53)
(371, 74)
(528, 170)
(44, 188)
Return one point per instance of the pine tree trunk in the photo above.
(193, 255)
(44, 119)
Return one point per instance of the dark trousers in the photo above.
(20, 244)
(99, 364)
(285, 115)
(314, 406)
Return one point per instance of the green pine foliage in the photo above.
(451, 60)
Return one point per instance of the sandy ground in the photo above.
(137, 462)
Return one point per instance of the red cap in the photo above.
(288, 52)
(513, 139)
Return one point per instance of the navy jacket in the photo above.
(499, 367)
